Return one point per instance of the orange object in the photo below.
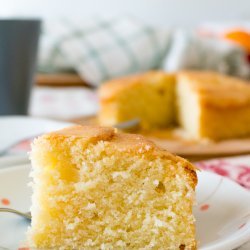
(204, 207)
(241, 37)
(5, 201)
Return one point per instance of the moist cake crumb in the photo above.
(87, 194)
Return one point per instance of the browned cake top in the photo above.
(111, 88)
(122, 142)
(217, 89)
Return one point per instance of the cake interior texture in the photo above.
(95, 188)
(214, 106)
(148, 96)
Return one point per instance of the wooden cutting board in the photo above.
(175, 142)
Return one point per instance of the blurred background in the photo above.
(54, 54)
(165, 13)
(84, 43)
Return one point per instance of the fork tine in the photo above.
(128, 125)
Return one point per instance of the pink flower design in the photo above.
(218, 167)
(244, 176)
(220, 170)
(224, 167)
(23, 146)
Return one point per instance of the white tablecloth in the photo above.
(63, 103)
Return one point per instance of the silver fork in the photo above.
(14, 211)
(128, 125)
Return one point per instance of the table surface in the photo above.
(63, 103)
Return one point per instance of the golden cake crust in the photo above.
(217, 90)
(111, 88)
(96, 188)
(121, 142)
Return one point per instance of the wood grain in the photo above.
(61, 80)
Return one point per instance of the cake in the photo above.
(148, 97)
(206, 105)
(95, 188)
(213, 106)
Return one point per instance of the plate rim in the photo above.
(30, 127)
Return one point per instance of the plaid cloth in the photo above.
(101, 49)
(191, 51)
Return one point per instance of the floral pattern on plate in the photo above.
(235, 168)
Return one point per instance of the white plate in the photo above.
(15, 128)
(222, 211)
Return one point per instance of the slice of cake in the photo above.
(213, 106)
(95, 188)
(148, 97)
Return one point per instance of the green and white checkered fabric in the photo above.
(191, 51)
(101, 49)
